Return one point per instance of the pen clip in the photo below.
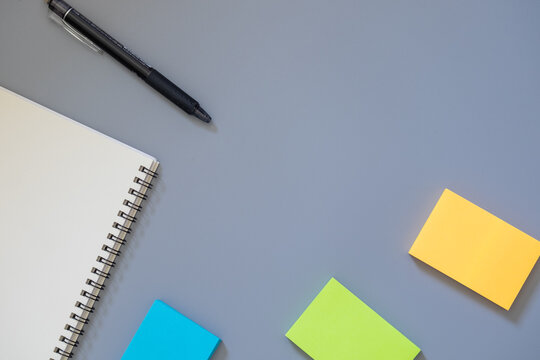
(76, 34)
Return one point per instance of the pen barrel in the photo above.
(99, 37)
(172, 92)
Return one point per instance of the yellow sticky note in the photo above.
(339, 326)
(477, 249)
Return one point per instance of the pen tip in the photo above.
(202, 115)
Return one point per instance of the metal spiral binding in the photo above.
(106, 263)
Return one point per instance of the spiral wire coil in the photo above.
(106, 263)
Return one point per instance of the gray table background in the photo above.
(337, 126)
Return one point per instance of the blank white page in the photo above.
(61, 187)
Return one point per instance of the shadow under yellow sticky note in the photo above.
(339, 326)
(477, 249)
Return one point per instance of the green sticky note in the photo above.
(338, 325)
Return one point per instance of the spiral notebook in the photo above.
(68, 198)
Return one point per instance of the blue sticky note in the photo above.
(165, 334)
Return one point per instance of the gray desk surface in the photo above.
(337, 126)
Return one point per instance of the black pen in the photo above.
(97, 39)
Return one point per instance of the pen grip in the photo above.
(172, 92)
